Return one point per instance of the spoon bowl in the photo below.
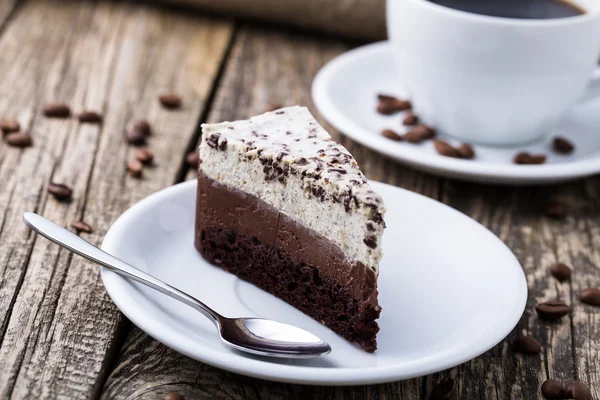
(282, 340)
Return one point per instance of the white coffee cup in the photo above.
(493, 80)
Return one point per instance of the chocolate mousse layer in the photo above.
(253, 240)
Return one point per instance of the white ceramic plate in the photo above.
(449, 288)
(344, 92)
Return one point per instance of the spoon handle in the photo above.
(74, 243)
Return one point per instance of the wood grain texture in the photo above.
(59, 328)
(584, 249)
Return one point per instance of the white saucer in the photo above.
(444, 301)
(344, 92)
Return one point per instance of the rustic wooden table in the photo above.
(60, 334)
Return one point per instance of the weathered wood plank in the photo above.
(58, 325)
(582, 243)
(24, 173)
(264, 67)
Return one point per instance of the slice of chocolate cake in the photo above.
(284, 207)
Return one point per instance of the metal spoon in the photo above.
(253, 335)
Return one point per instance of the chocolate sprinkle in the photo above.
(371, 241)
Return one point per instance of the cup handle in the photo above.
(593, 90)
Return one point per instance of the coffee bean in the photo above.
(170, 101)
(193, 159)
(552, 310)
(466, 151)
(410, 119)
(144, 156)
(390, 105)
(560, 271)
(91, 117)
(553, 389)
(19, 139)
(412, 137)
(173, 396)
(562, 145)
(135, 137)
(57, 110)
(135, 168)
(388, 108)
(525, 158)
(445, 149)
(9, 126)
(577, 390)
(424, 131)
(370, 241)
(143, 127)
(444, 390)
(590, 296)
(537, 159)
(272, 107)
(59, 191)
(386, 97)
(554, 209)
(82, 226)
(390, 134)
(522, 158)
(527, 344)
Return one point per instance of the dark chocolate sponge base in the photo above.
(298, 284)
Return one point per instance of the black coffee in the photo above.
(521, 9)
